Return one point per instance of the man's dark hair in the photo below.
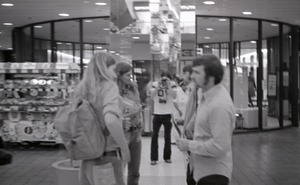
(212, 66)
(166, 74)
(188, 68)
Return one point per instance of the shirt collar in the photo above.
(211, 92)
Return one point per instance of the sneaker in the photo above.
(153, 163)
(168, 161)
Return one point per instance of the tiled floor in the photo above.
(269, 158)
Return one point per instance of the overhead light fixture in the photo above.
(247, 13)
(100, 4)
(187, 7)
(222, 20)
(206, 37)
(9, 48)
(7, 24)
(112, 51)
(68, 44)
(253, 42)
(38, 26)
(106, 29)
(136, 38)
(0, 32)
(64, 14)
(7, 4)
(99, 47)
(59, 43)
(274, 24)
(206, 46)
(117, 54)
(88, 21)
(209, 2)
(209, 29)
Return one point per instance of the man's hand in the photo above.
(183, 144)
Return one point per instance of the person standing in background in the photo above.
(211, 146)
(163, 97)
(131, 110)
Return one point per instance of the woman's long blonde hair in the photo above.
(96, 72)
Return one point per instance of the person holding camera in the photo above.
(163, 95)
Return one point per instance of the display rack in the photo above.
(30, 96)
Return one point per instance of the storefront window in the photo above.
(42, 43)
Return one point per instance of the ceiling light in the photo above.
(0, 32)
(68, 44)
(247, 13)
(206, 37)
(274, 24)
(9, 48)
(99, 47)
(209, 2)
(7, 4)
(209, 29)
(206, 46)
(38, 26)
(253, 42)
(0, 46)
(188, 7)
(59, 43)
(117, 54)
(8, 24)
(112, 51)
(100, 4)
(88, 21)
(222, 20)
(106, 29)
(64, 14)
(136, 37)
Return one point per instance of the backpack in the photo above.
(81, 130)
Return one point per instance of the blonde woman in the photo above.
(131, 108)
(99, 88)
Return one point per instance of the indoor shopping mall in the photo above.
(137, 64)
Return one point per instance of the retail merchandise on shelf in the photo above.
(30, 95)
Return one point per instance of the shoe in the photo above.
(168, 161)
(153, 163)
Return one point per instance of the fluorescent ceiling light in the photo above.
(253, 42)
(68, 44)
(222, 20)
(209, 29)
(0, 46)
(247, 13)
(136, 37)
(7, 4)
(38, 26)
(99, 47)
(9, 48)
(88, 21)
(59, 43)
(206, 37)
(100, 4)
(106, 29)
(142, 8)
(209, 2)
(112, 51)
(117, 54)
(188, 7)
(64, 14)
(274, 24)
(8, 24)
(206, 46)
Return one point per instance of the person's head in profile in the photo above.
(207, 71)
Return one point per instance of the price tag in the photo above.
(62, 66)
(29, 65)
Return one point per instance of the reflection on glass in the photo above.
(42, 43)
(245, 71)
(270, 51)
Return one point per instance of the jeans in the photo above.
(158, 120)
(89, 176)
(189, 176)
(135, 148)
(214, 180)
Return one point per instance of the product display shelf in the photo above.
(30, 96)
